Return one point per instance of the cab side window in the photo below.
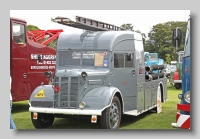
(128, 60)
(123, 60)
(118, 60)
(18, 31)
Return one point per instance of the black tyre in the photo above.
(177, 85)
(111, 116)
(43, 120)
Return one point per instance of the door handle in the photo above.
(24, 75)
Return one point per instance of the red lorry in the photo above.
(26, 71)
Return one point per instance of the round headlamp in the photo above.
(187, 97)
(81, 105)
(84, 74)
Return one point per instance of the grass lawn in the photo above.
(148, 120)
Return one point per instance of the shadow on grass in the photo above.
(18, 107)
(75, 122)
(128, 120)
(84, 122)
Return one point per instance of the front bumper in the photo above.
(183, 107)
(182, 121)
(65, 111)
(177, 81)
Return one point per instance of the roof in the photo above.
(94, 40)
(17, 19)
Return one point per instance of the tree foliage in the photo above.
(168, 59)
(160, 39)
(32, 27)
(127, 26)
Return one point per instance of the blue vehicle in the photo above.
(183, 118)
(152, 59)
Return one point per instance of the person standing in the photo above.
(12, 124)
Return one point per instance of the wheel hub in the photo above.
(114, 115)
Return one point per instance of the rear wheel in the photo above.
(177, 85)
(111, 116)
(43, 120)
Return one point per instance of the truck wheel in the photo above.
(177, 85)
(43, 120)
(111, 116)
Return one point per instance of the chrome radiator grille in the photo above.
(67, 97)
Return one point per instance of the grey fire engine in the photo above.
(100, 73)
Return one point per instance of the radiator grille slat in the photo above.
(68, 93)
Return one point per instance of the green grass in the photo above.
(147, 120)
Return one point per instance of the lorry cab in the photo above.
(152, 59)
(26, 72)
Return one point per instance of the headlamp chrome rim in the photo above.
(81, 105)
(187, 96)
(84, 74)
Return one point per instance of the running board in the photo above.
(136, 112)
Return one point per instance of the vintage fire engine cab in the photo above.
(101, 74)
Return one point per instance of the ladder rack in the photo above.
(86, 24)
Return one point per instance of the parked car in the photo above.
(169, 69)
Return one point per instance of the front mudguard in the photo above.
(99, 98)
(42, 96)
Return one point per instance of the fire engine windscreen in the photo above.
(89, 58)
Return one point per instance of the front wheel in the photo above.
(111, 116)
(43, 120)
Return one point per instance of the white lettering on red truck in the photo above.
(46, 60)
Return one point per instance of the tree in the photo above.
(168, 59)
(32, 27)
(160, 39)
(127, 26)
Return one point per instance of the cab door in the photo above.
(18, 52)
(124, 77)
